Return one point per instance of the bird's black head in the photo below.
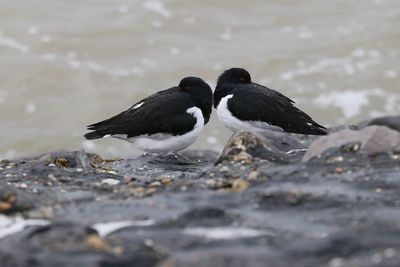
(227, 81)
(235, 76)
(202, 94)
(195, 86)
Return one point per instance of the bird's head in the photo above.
(195, 86)
(235, 76)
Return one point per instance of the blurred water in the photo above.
(65, 64)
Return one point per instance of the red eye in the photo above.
(242, 79)
(188, 87)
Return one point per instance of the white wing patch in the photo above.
(138, 105)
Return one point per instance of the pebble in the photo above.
(239, 185)
(224, 169)
(96, 243)
(253, 175)
(389, 252)
(395, 156)
(155, 184)
(335, 159)
(5, 206)
(110, 181)
(62, 162)
(339, 170)
(22, 185)
(378, 190)
(166, 181)
(151, 190)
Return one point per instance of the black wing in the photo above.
(163, 112)
(257, 103)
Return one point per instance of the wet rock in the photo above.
(207, 216)
(75, 159)
(372, 140)
(392, 122)
(245, 147)
(14, 200)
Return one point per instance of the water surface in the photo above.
(65, 64)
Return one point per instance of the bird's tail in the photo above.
(94, 135)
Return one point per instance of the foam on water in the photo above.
(13, 44)
(157, 7)
(349, 101)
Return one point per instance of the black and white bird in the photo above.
(165, 122)
(247, 106)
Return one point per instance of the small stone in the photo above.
(151, 190)
(155, 184)
(243, 158)
(389, 252)
(96, 160)
(5, 206)
(253, 175)
(336, 262)
(239, 185)
(149, 242)
(118, 250)
(61, 162)
(110, 181)
(335, 159)
(139, 190)
(395, 156)
(378, 190)
(210, 182)
(184, 188)
(166, 181)
(224, 169)
(339, 170)
(129, 179)
(95, 242)
(376, 258)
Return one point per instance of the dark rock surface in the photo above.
(392, 122)
(258, 206)
(370, 140)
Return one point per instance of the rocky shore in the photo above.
(265, 201)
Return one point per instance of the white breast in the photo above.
(235, 125)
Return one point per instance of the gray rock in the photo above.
(245, 147)
(14, 200)
(392, 122)
(372, 140)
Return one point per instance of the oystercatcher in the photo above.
(247, 106)
(165, 122)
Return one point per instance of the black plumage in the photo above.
(251, 102)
